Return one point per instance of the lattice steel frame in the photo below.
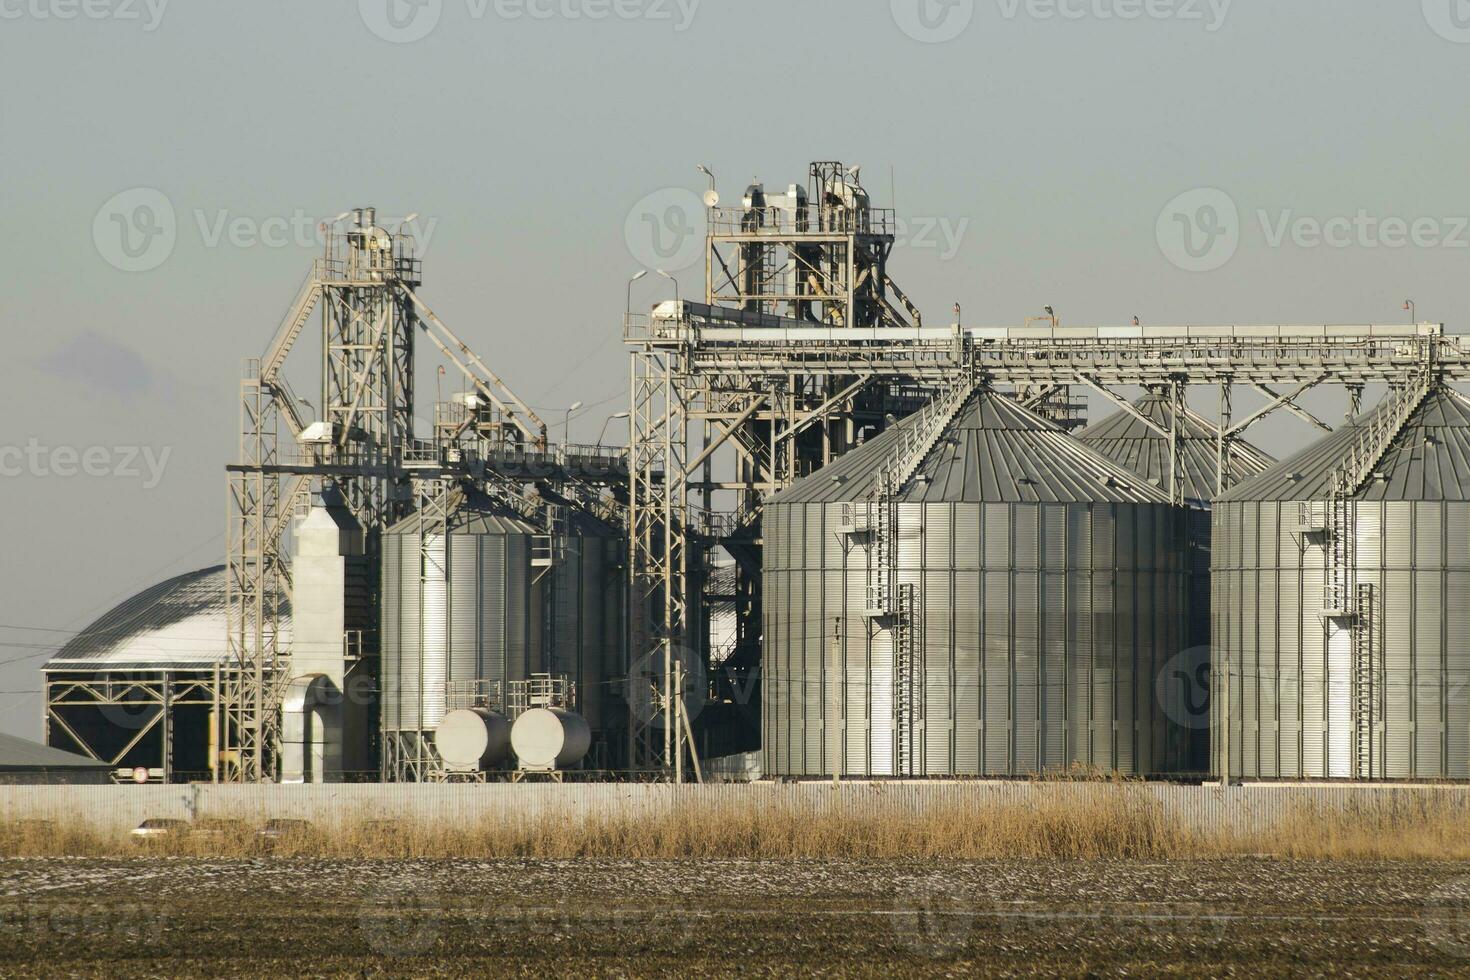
(738, 373)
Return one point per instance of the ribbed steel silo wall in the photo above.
(587, 625)
(454, 610)
(1040, 633)
(1191, 673)
(1290, 674)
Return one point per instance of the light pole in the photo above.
(1413, 313)
(672, 280)
(628, 307)
(705, 170)
(603, 433)
(566, 432)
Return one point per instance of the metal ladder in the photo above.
(1367, 691)
(1338, 554)
(904, 676)
(550, 548)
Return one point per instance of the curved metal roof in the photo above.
(1129, 442)
(178, 622)
(471, 512)
(1428, 460)
(994, 451)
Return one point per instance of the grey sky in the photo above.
(1036, 150)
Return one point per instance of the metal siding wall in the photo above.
(996, 661)
(1242, 809)
(967, 652)
(1019, 668)
(391, 635)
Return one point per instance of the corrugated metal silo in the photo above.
(585, 610)
(456, 606)
(1379, 694)
(1040, 586)
(1144, 449)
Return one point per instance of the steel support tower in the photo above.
(804, 346)
(363, 442)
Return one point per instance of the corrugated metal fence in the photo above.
(1204, 808)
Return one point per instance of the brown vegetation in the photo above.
(1128, 824)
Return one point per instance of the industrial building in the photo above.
(840, 541)
(137, 687)
(23, 762)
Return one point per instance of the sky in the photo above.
(164, 166)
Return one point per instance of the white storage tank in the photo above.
(545, 739)
(472, 739)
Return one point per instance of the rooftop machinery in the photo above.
(363, 445)
(804, 346)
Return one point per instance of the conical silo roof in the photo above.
(1429, 459)
(471, 512)
(993, 451)
(1126, 440)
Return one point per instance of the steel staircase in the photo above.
(1352, 606)
(894, 608)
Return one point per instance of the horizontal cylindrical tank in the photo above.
(472, 738)
(1033, 592)
(1340, 631)
(550, 738)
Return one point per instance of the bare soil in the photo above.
(154, 916)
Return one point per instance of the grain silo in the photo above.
(1342, 602)
(1140, 441)
(1002, 611)
(457, 611)
(479, 598)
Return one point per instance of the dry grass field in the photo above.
(1108, 889)
(1124, 825)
